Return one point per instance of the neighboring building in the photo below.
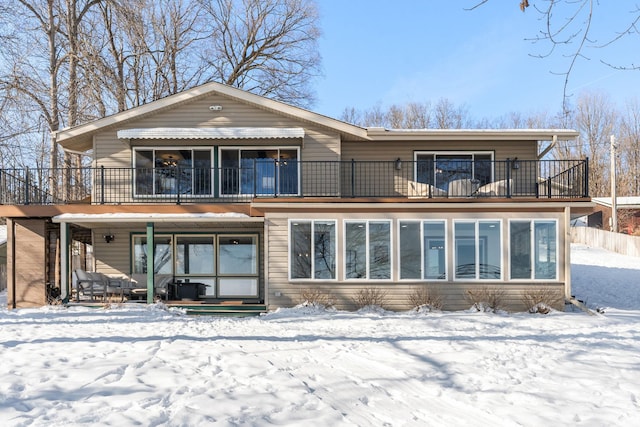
(255, 201)
(3, 257)
(628, 209)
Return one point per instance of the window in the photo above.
(423, 250)
(367, 250)
(162, 254)
(261, 171)
(478, 253)
(312, 249)
(167, 171)
(533, 249)
(195, 255)
(226, 263)
(439, 169)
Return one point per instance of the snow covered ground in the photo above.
(153, 367)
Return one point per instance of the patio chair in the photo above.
(96, 285)
(421, 189)
(462, 187)
(497, 188)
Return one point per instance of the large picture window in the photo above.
(423, 250)
(169, 171)
(478, 251)
(226, 263)
(440, 169)
(533, 249)
(312, 249)
(264, 171)
(367, 250)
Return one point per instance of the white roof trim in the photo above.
(211, 133)
(156, 217)
(625, 202)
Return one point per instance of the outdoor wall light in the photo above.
(515, 164)
(215, 107)
(108, 238)
(398, 164)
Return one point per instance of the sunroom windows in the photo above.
(368, 250)
(533, 246)
(478, 250)
(423, 250)
(312, 249)
(441, 168)
(445, 250)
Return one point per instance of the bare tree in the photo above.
(413, 115)
(268, 47)
(629, 149)
(595, 119)
(36, 58)
(570, 29)
(449, 116)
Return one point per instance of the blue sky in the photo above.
(383, 52)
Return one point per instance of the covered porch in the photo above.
(196, 258)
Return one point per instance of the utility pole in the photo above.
(614, 197)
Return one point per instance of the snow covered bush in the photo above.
(424, 300)
(486, 299)
(316, 297)
(541, 300)
(370, 296)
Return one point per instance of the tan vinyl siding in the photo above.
(283, 292)
(391, 181)
(389, 151)
(318, 144)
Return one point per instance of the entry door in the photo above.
(237, 266)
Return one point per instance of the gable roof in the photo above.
(79, 138)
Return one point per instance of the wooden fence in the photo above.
(616, 242)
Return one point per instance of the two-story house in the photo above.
(252, 201)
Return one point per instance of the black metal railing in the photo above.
(511, 178)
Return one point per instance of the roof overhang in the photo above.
(211, 133)
(382, 134)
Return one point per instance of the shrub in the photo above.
(316, 297)
(487, 299)
(370, 296)
(424, 300)
(541, 300)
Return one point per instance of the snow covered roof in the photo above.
(156, 217)
(621, 202)
(211, 133)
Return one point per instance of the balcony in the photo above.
(425, 180)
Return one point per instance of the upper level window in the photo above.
(263, 171)
(168, 171)
(441, 168)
